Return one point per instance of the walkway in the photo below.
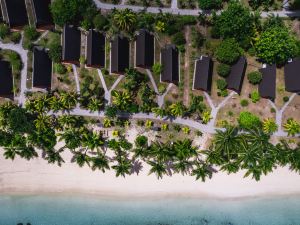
(174, 4)
(191, 12)
(76, 78)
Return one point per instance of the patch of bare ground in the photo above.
(186, 72)
(64, 82)
(173, 95)
(280, 88)
(292, 110)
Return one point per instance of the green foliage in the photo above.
(285, 98)
(124, 20)
(141, 141)
(60, 68)
(210, 4)
(198, 38)
(223, 70)
(273, 21)
(15, 37)
(30, 33)
(244, 102)
(234, 22)
(100, 22)
(55, 52)
(292, 127)
(247, 120)
(269, 126)
(276, 45)
(4, 30)
(254, 77)
(157, 69)
(228, 51)
(255, 4)
(221, 84)
(178, 39)
(255, 97)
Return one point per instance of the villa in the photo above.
(203, 74)
(170, 64)
(267, 87)
(95, 49)
(291, 75)
(144, 49)
(236, 77)
(119, 55)
(71, 42)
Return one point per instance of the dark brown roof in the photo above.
(16, 13)
(6, 80)
(236, 77)
(292, 76)
(42, 14)
(170, 64)
(144, 49)
(71, 44)
(203, 73)
(267, 87)
(119, 54)
(95, 54)
(42, 69)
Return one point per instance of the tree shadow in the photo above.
(136, 167)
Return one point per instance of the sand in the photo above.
(37, 176)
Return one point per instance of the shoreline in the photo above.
(37, 177)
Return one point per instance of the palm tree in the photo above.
(159, 112)
(95, 105)
(41, 104)
(100, 162)
(121, 99)
(42, 122)
(124, 19)
(55, 104)
(269, 126)
(201, 172)
(67, 121)
(123, 167)
(182, 166)
(92, 140)
(53, 156)
(68, 100)
(72, 138)
(184, 150)
(157, 167)
(28, 152)
(81, 158)
(292, 127)
(177, 109)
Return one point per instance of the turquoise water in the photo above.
(50, 210)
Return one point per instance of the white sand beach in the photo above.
(37, 176)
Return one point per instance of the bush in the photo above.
(223, 70)
(178, 39)
(228, 51)
(157, 69)
(197, 38)
(221, 84)
(210, 4)
(247, 120)
(15, 37)
(60, 68)
(141, 141)
(100, 22)
(244, 102)
(4, 30)
(55, 52)
(30, 33)
(286, 98)
(255, 97)
(254, 77)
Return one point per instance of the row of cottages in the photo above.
(6, 80)
(119, 52)
(14, 13)
(203, 72)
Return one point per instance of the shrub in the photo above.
(197, 38)
(30, 33)
(221, 84)
(60, 68)
(285, 98)
(210, 4)
(15, 37)
(157, 69)
(254, 77)
(228, 51)
(4, 30)
(248, 120)
(178, 39)
(251, 51)
(55, 52)
(223, 70)
(100, 22)
(244, 102)
(141, 141)
(255, 97)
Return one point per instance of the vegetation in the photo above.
(254, 77)
(228, 51)
(223, 70)
(248, 121)
(210, 4)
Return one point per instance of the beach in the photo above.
(39, 177)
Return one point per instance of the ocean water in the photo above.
(59, 210)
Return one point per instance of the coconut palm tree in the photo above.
(177, 109)
(100, 162)
(269, 126)
(182, 166)
(159, 112)
(41, 104)
(81, 158)
(55, 104)
(71, 137)
(121, 99)
(124, 19)
(43, 122)
(95, 104)
(201, 171)
(28, 152)
(68, 100)
(292, 127)
(122, 167)
(184, 150)
(92, 140)
(158, 168)
(53, 156)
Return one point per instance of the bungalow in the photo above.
(71, 44)
(203, 74)
(236, 77)
(6, 80)
(144, 49)
(42, 15)
(292, 76)
(14, 13)
(42, 69)
(95, 49)
(267, 86)
(119, 55)
(170, 64)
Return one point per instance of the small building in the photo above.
(6, 80)
(292, 76)
(71, 44)
(267, 86)
(42, 15)
(203, 74)
(42, 69)
(170, 64)
(14, 13)
(95, 49)
(236, 76)
(119, 55)
(144, 49)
